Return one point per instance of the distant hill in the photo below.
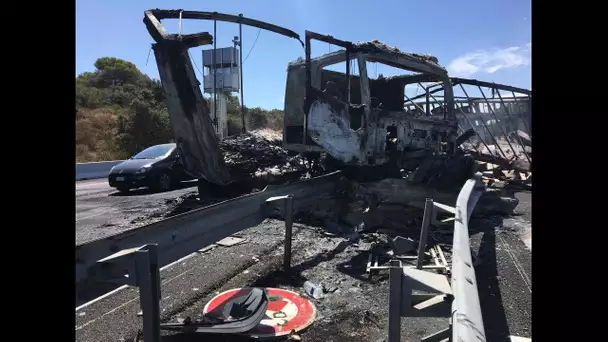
(120, 111)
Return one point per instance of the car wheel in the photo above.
(165, 182)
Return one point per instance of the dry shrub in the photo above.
(95, 130)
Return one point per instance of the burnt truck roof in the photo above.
(381, 48)
(386, 54)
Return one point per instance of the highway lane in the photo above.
(102, 211)
(503, 274)
(504, 268)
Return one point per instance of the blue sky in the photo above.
(487, 40)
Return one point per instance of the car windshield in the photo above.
(155, 152)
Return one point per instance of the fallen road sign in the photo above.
(287, 311)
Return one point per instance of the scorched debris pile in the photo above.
(248, 155)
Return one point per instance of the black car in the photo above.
(157, 167)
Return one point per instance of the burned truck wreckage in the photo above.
(367, 123)
(357, 150)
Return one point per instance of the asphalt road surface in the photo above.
(102, 211)
(503, 267)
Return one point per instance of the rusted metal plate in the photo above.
(287, 311)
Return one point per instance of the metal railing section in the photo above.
(467, 322)
(183, 234)
(142, 267)
(418, 291)
(499, 115)
(414, 291)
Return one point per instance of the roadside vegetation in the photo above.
(120, 111)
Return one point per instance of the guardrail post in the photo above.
(395, 300)
(141, 266)
(148, 277)
(424, 232)
(288, 233)
(288, 217)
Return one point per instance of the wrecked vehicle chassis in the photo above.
(358, 120)
(352, 122)
(158, 244)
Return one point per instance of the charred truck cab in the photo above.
(363, 121)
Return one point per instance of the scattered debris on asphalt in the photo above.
(230, 241)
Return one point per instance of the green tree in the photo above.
(114, 71)
(141, 126)
(121, 111)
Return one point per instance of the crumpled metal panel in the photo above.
(332, 131)
(192, 126)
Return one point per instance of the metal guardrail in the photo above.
(466, 322)
(142, 267)
(160, 243)
(183, 234)
(95, 170)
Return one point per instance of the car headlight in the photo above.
(144, 169)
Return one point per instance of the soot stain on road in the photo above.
(354, 306)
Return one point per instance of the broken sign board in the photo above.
(287, 312)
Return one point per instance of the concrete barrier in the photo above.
(95, 170)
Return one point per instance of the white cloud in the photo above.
(490, 61)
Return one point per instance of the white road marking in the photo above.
(87, 185)
(518, 266)
(95, 215)
(127, 286)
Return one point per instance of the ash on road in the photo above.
(102, 211)
(355, 308)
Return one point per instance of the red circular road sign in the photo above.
(286, 311)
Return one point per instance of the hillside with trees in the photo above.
(121, 111)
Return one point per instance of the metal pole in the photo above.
(149, 291)
(394, 301)
(463, 113)
(514, 124)
(523, 119)
(180, 25)
(348, 75)
(473, 126)
(214, 74)
(486, 126)
(496, 118)
(462, 132)
(428, 105)
(243, 129)
(424, 232)
(288, 233)
(422, 110)
(308, 86)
